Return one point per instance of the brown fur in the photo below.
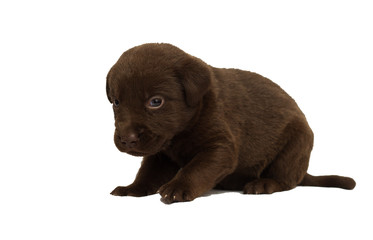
(217, 128)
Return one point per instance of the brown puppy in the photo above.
(200, 127)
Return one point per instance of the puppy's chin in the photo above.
(137, 154)
(151, 147)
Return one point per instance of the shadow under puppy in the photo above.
(200, 127)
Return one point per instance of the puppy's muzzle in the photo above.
(130, 140)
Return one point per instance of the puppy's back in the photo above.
(257, 111)
(252, 95)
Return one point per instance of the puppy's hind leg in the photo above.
(289, 167)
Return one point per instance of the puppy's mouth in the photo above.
(147, 146)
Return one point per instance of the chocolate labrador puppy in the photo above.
(200, 127)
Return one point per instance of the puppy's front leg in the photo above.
(155, 171)
(204, 171)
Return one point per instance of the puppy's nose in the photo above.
(130, 140)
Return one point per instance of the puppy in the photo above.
(200, 127)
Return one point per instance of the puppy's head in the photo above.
(156, 90)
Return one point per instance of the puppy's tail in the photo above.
(328, 181)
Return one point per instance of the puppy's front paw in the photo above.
(176, 191)
(132, 190)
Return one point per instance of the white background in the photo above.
(58, 159)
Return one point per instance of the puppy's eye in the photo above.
(116, 103)
(155, 102)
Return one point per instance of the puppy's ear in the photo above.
(107, 86)
(196, 79)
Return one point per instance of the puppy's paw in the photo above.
(132, 190)
(261, 186)
(176, 191)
